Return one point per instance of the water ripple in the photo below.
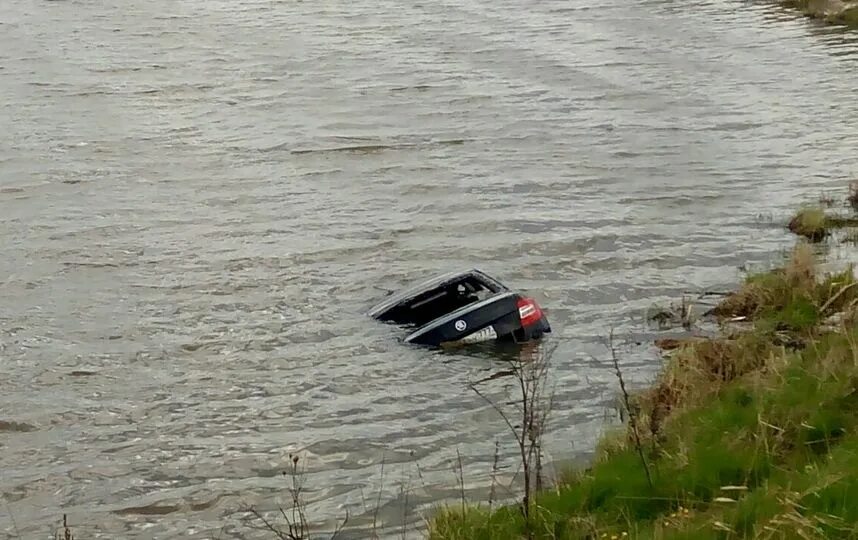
(200, 200)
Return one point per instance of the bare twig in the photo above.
(629, 411)
(420, 474)
(525, 451)
(836, 296)
(494, 474)
(220, 532)
(270, 526)
(363, 499)
(701, 294)
(295, 517)
(461, 471)
(404, 511)
(67, 535)
(11, 517)
(298, 527)
(500, 411)
(378, 501)
(341, 526)
(530, 373)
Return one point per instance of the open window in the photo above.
(437, 297)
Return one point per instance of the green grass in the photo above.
(814, 224)
(810, 222)
(747, 436)
(826, 11)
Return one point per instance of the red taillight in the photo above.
(528, 311)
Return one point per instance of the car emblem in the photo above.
(461, 325)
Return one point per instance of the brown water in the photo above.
(198, 199)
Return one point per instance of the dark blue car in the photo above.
(463, 307)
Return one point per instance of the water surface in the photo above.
(200, 199)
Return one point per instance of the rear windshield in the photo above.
(439, 301)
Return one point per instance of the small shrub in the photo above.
(809, 222)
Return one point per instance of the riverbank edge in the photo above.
(837, 12)
(750, 432)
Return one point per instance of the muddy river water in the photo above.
(199, 199)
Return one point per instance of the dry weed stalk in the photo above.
(404, 490)
(378, 502)
(65, 534)
(297, 526)
(495, 469)
(827, 200)
(12, 517)
(852, 197)
(461, 479)
(531, 409)
(678, 313)
(633, 419)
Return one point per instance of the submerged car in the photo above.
(463, 307)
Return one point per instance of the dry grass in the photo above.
(700, 369)
(772, 290)
(679, 313)
(792, 298)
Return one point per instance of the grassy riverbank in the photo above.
(750, 434)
